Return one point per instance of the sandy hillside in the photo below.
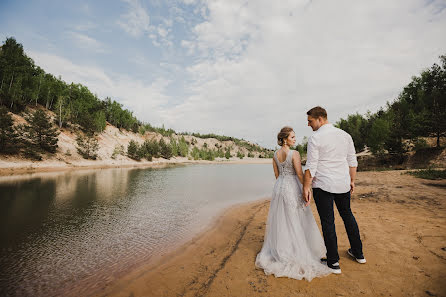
(110, 139)
(403, 226)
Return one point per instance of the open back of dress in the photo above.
(293, 245)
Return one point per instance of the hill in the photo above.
(35, 104)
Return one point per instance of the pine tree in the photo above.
(8, 135)
(183, 147)
(166, 150)
(152, 148)
(41, 133)
(174, 146)
(87, 146)
(133, 150)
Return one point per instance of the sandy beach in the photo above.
(402, 222)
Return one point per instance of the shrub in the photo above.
(152, 148)
(118, 150)
(429, 173)
(132, 150)
(32, 154)
(195, 154)
(228, 154)
(166, 150)
(183, 147)
(240, 155)
(87, 146)
(419, 143)
(174, 146)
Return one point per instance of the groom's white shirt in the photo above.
(330, 153)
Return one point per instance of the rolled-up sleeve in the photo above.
(351, 153)
(312, 156)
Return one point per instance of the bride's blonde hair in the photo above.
(283, 134)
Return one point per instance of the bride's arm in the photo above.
(298, 166)
(276, 170)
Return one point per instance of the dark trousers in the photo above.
(324, 204)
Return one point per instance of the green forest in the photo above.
(24, 84)
(419, 111)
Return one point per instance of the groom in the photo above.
(331, 170)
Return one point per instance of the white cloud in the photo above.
(83, 41)
(136, 21)
(262, 64)
(85, 26)
(146, 99)
(255, 66)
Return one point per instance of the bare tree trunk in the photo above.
(51, 104)
(38, 90)
(60, 112)
(48, 95)
(12, 79)
(1, 99)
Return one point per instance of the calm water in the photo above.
(62, 232)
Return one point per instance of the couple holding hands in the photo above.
(293, 246)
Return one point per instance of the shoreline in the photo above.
(234, 217)
(178, 252)
(403, 237)
(9, 168)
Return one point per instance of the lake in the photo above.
(82, 229)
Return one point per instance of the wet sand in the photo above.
(402, 220)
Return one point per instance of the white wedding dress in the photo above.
(293, 245)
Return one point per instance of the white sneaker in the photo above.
(359, 260)
(335, 268)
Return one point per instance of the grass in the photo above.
(430, 173)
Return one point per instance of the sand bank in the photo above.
(403, 226)
(14, 165)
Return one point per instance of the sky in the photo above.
(236, 68)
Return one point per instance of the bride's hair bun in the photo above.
(283, 134)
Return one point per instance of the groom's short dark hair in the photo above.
(316, 112)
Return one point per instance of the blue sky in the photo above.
(239, 68)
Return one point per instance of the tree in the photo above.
(133, 150)
(87, 146)
(8, 136)
(41, 133)
(183, 147)
(166, 150)
(174, 146)
(378, 135)
(152, 148)
(228, 153)
(195, 154)
(16, 71)
(354, 125)
(302, 147)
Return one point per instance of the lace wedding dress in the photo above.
(293, 245)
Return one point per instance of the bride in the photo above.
(292, 246)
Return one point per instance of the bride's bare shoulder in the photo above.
(296, 155)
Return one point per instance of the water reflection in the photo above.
(61, 229)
